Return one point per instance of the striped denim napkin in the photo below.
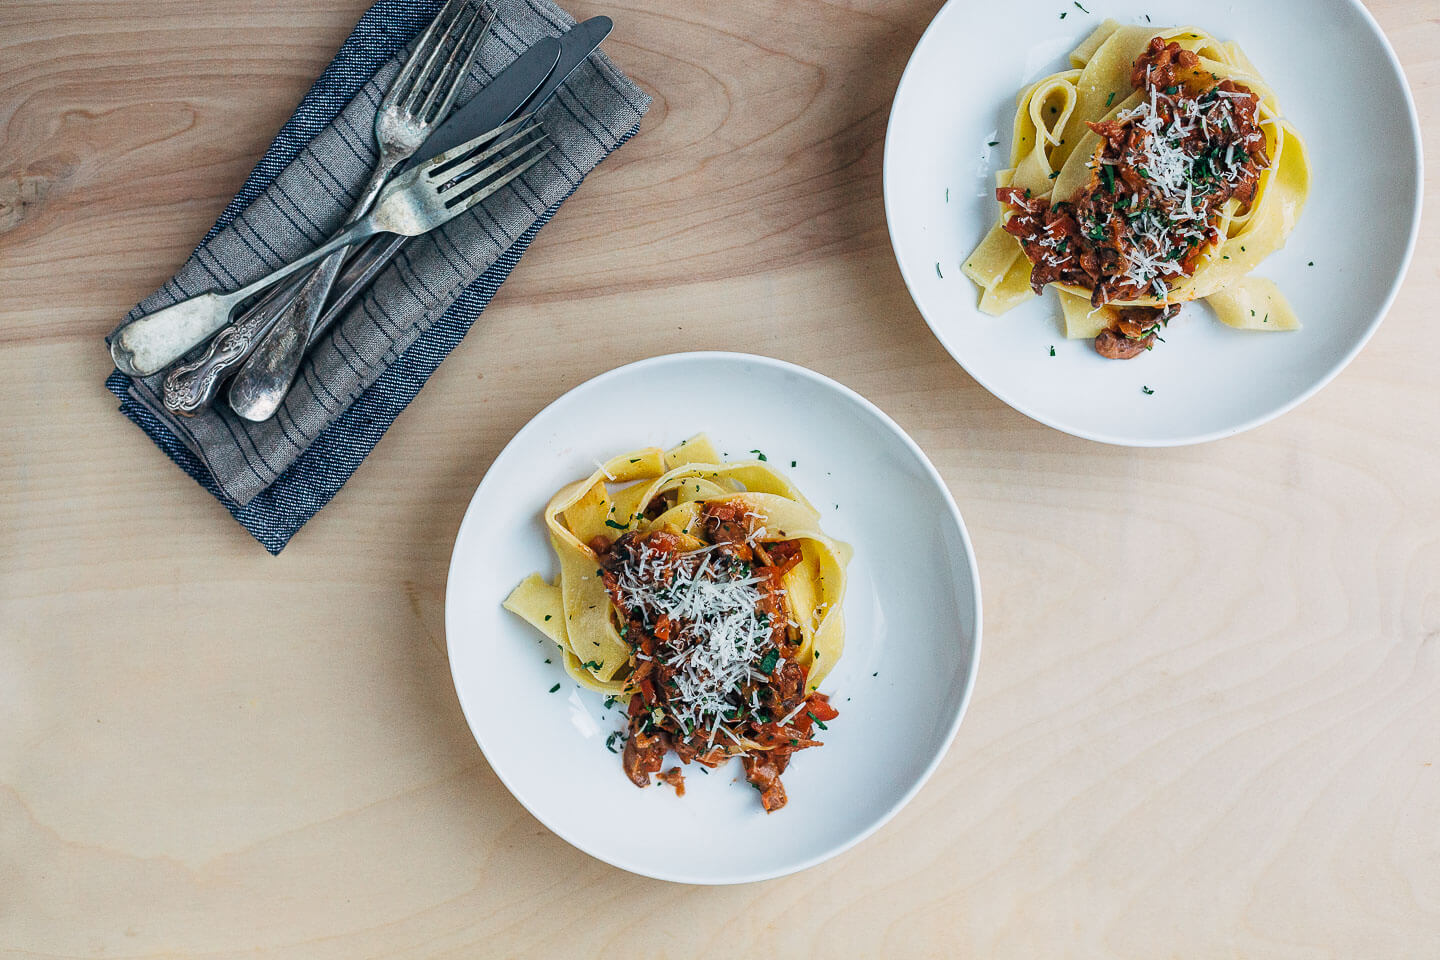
(274, 476)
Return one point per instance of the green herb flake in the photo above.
(1110, 100)
(758, 455)
(1147, 391)
(767, 662)
(593, 665)
(818, 722)
(1052, 351)
(554, 688)
(937, 270)
(617, 526)
(993, 143)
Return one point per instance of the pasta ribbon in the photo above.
(1054, 158)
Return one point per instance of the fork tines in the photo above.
(454, 33)
(474, 170)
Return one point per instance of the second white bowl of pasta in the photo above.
(1191, 192)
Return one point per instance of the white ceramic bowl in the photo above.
(1338, 81)
(912, 611)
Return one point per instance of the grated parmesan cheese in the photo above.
(1170, 173)
(717, 628)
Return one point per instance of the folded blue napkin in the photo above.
(275, 476)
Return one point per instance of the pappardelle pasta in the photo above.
(704, 595)
(1158, 171)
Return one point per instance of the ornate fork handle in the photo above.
(192, 385)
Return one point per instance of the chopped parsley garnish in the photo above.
(592, 665)
(554, 688)
(937, 270)
(610, 740)
(1146, 390)
(1052, 351)
(767, 662)
(993, 143)
(818, 722)
(616, 526)
(758, 455)
(1110, 100)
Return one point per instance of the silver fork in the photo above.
(421, 95)
(415, 202)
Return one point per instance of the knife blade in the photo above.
(469, 121)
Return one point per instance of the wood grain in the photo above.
(1208, 716)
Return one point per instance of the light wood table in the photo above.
(1207, 722)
